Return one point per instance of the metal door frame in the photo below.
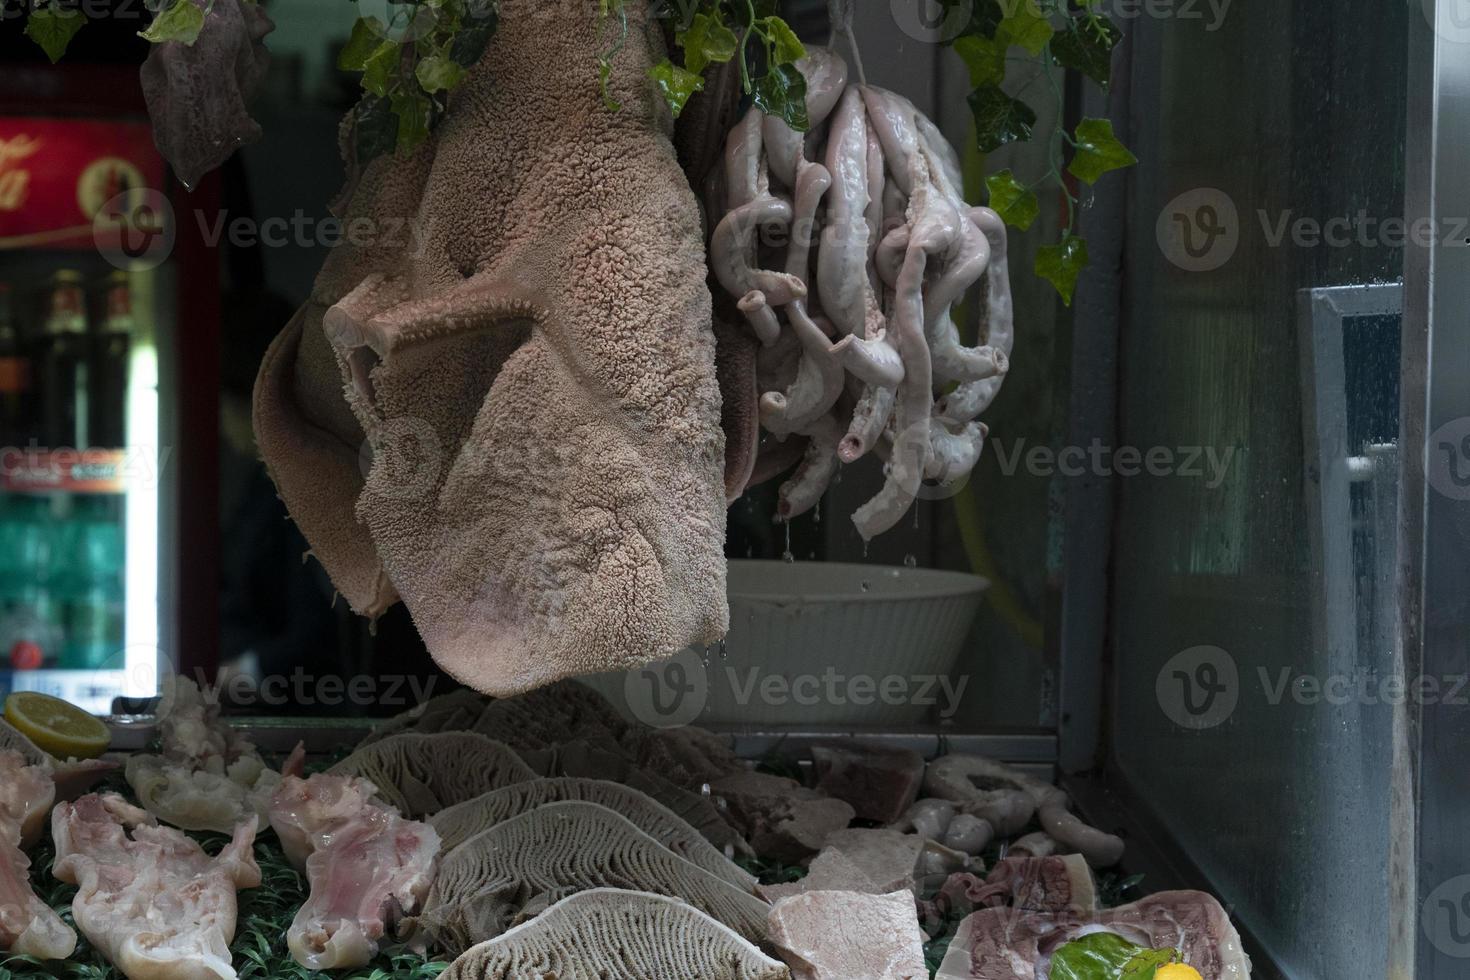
(1431, 860)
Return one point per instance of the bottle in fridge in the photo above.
(15, 374)
(30, 617)
(61, 359)
(107, 426)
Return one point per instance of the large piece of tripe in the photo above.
(501, 405)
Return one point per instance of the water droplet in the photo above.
(817, 513)
(788, 557)
(724, 650)
(866, 586)
(910, 561)
(705, 790)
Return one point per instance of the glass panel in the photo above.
(1247, 630)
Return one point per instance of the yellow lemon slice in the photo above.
(57, 726)
(1177, 971)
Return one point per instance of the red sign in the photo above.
(58, 175)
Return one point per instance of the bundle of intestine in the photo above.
(863, 356)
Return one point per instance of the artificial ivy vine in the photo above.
(414, 60)
(1052, 35)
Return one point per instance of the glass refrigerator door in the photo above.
(84, 312)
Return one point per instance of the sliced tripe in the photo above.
(613, 934)
(465, 820)
(522, 865)
(419, 775)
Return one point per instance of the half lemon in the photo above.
(56, 726)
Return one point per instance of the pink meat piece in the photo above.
(367, 867)
(888, 858)
(1009, 944)
(1058, 883)
(28, 926)
(830, 871)
(149, 898)
(26, 796)
(781, 818)
(846, 935)
(880, 783)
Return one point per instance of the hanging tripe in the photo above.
(863, 356)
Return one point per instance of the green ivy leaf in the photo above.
(1088, 47)
(53, 29)
(708, 41)
(786, 46)
(1098, 151)
(381, 66)
(180, 22)
(477, 26)
(1060, 265)
(413, 110)
(604, 75)
(1025, 26)
(676, 84)
(437, 73)
(984, 57)
(783, 93)
(1144, 965)
(367, 35)
(1012, 200)
(999, 119)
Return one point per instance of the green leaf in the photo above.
(604, 75)
(53, 29)
(1025, 27)
(1088, 47)
(180, 22)
(477, 26)
(1146, 964)
(1012, 200)
(1060, 265)
(1098, 151)
(786, 46)
(1104, 956)
(708, 41)
(676, 84)
(999, 119)
(413, 110)
(436, 73)
(984, 57)
(367, 35)
(374, 129)
(381, 67)
(783, 93)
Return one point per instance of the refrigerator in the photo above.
(108, 314)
